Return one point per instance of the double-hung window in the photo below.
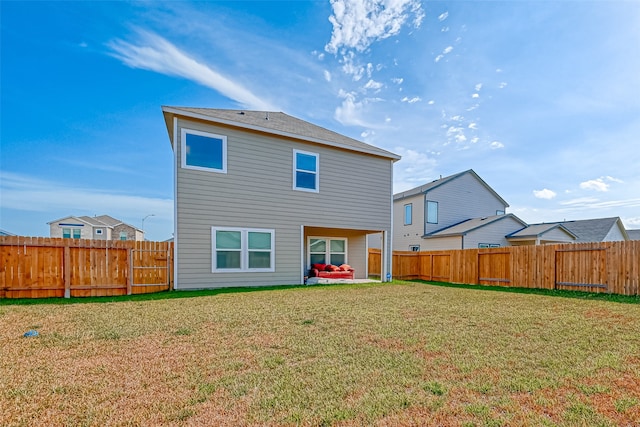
(432, 212)
(327, 251)
(305, 171)
(242, 249)
(204, 151)
(408, 214)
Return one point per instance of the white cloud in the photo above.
(358, 23)
(438, 58)
(351, 110)
(475, 95)
(372, 84)
(447, 50)
(397, 80)
(20, 191)
(411, 100)
(496, 145)
(443, 16)
(431, 102)
(478, 87)
(595, 184)
(544, 194)
(154, 53)
(473, 126)
(327, 75)
(502, 85)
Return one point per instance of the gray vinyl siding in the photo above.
(461, 199)
(257, 192)
(614, 234)
(493, 233)
(406, 235)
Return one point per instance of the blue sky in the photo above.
(541, 99)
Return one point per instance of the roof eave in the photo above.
(190, 114)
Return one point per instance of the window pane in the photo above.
(306, 162)
(306, 180)
(337, 259)
(204, 151)
(259, 240)
(259, 259)
(66, 233)
(227, 239)
(228, 259)
(407, 214)
(76, 233)
(318, 245)
(337, 245)
(432, 212)
(317, 259)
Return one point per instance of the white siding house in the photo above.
(422, 212)
(260, 196)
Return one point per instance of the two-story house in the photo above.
(102, 227)
(459, 211)
(261, 196)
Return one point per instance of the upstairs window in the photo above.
(408, 214)
(432, 212)
(123, 235)
(204, 151)
(305, 171)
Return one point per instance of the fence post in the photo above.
(130, 276)
(67, 270)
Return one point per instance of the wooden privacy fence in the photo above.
(41, 267)
(611, 267)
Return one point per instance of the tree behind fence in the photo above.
(41, 267)
(611, 267)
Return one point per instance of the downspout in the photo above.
(175, 203)
(389, 256)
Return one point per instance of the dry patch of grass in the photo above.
(400, 354)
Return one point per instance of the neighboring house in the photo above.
(260, 196)
(421, 213)
(597, 230)
(103, 227)
(5, 233)
(633, 234)
(484, 232)
(542, 234)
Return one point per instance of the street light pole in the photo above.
(146, 218)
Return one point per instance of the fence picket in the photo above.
(53, 267)
(612, 267)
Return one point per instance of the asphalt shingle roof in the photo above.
(281, 124)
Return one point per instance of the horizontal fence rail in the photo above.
(610, 267)
(41, 267)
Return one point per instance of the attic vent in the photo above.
(267, 118)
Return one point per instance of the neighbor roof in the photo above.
(537, 230)
(442, 181)
(468, 225)
(276, 123)
(633, 234)
(593, 230)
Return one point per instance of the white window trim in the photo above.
(99, 231)
(328, 251)
(183, 150)
(244, 250)
(295, 169)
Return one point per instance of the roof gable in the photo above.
(275, 123)
(472, 224)
(594, 230)
(538, 230)
(446, 181)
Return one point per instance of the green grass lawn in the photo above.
(383, 354)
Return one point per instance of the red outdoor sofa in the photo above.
(328, 271)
